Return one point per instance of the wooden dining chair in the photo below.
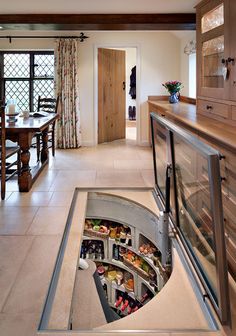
(49, 105)
(8, 167)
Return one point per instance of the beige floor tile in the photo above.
(49, 221)
(18, 324)
(12, 185)
(61, 198)
(145, 153)
(69, 180)
(45, 180)
(7, 195)
(16, 221)
(133, 164)
(119, 178)
(76, 163)
(13, 251)
(148, 176)
(31, 285)
(32, 198)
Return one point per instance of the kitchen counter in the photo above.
(185, 114)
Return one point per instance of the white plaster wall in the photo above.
(184, 62)
(158, 56)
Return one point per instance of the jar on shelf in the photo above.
(119, 277)
(122, 237)
(112, 232)
(156, 257)
(152, 277)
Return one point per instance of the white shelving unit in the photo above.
(141, 285)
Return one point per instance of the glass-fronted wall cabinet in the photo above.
(216, 57)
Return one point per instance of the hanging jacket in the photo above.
(132, 90)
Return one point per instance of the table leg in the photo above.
(44, 152)
(25, 177)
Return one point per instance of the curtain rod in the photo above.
(81, 37)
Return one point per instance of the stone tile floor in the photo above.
(32, 224)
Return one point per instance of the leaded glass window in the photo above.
(26, 75)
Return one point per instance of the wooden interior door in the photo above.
(111, 95)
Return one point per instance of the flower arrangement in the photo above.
(173, 86)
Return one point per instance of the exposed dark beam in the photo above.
(179, 21)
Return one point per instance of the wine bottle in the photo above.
(116, 252)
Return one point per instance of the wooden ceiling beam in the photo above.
(181, 21)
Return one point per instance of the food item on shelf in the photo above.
(119, 277)
(128, 239)
(88, 224)
(125, 305)
(112, 232)
(118, 301)
(101, 271)
(156, 257)
(122, 252)
(92, 249)
(111, 275)
(145, 267)
(96, 221)
(96, 227)
(130, 256)
(152, 277)
(103, 229)
(129, 285)
(147, 250)
(137, 262)
(122, 237)
(116, 252)
(118, 230)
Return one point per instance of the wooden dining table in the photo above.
(22, 132)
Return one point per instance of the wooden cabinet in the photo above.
(216, 56)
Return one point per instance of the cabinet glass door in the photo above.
(213, 19)
(214, 72)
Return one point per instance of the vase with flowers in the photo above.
(173, 87)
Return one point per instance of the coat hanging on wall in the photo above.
(132, 90)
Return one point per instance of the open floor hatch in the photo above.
(146, 260)
(135, 270)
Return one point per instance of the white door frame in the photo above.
(95, 127)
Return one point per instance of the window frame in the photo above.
(29, 79)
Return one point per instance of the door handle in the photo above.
(123, 85)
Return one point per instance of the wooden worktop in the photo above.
(185, 114)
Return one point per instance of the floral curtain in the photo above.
(66, 82)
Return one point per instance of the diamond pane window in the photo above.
(18, 90)
(16, 65)
(26, 75)
(44, 88)
(44, 66)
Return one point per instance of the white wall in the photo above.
(184, 63)
(158, 57)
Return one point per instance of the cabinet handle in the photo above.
(223, 61)
(230, 60)
(208, 107)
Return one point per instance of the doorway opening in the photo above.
(116, 102)
(131, 106)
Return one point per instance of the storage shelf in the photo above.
(158, 269)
